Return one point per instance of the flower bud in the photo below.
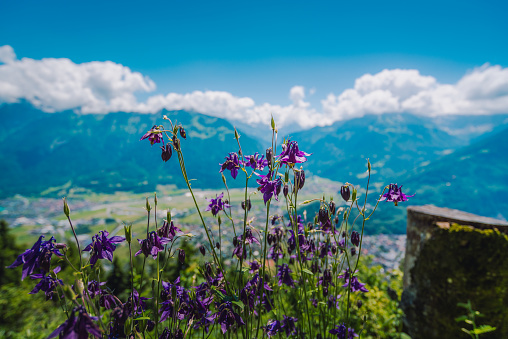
(249, 205)
(368, 165)
(66, 208)
(353, 251)
(252, 162)
(353, 196)
(202, 249)
(300, 178)
(285, 190)
(331, 207)
(168, 216)
(60, 246)
(217, 245)
(323, 215)
(235, 241)
(79, 286)
(176, 143)
(167, 152)
(359, 303)
(336, 219)
(269, 156)
(181, 256)
(355, 238)
(345, 192)
(148, 207)
(128, 233)
(237, 136)
(182, 133)
(69, 293)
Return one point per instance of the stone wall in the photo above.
(451, 257)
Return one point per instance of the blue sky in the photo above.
(262, 49)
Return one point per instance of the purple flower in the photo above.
(273, 328)
(167, 152)
(254, 266)
(168, 230)
(395, 194)
(217, 205)
(77, 327)
(353, 282)
(226, 317)
(232, 164)
(47, 284)
(102, 247)
(345, 192)
(269, 188)
(37, 257)
(291, 154)
(288, 324)
(284, 274)
(255, 162)
(355, 238)
(152, 245)
(154, 135)
(343, 333)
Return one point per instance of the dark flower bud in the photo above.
(325, 291)
(181, 256)
(182, 133)
(334, 249)
(235, 241)
(310, 226)
(331, 207)
(60, 246)
(208, 269)
(337, 219)
(285, 190)
(249, 205)
(269, 156)
(353, 251)
(150, 325)
(355, 238)
(343, 234)
(323, 215)
(269, 239)
(217, 245)
(176, 142)
(202, 249)
(167, 152)
(299, 179)
(291, 261)
(359, 303)
(345, 193)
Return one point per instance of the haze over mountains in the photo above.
(453, 161)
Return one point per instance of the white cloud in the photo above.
(102, 87)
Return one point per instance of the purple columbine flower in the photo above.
(273, 328)
(232, 164)
(291, 154)
(217, 204)
(395, 194)
(77, 327)
(353, 282)
(288, 324)
(37, 257)
(269, 188)
(226, 317)
(154, 135)
(284, 274)
(102, 247)
(254, 266)
(343, 333)
(152, 245)
(255, 162)
(355, 238)
(168, 230)
(47, 284)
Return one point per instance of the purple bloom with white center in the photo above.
(291, 154)
(269, 188)
(168, 230)
(217, 204)
(47, 284)
(284, 274)
(273, 328)
(353, 282)
(232, 164)
(288, 324)
(77, 327)
(154, 135)
(37, 257)
(395, 194)
(152, 245)
(255, 162)
(342, 332)
(102, 247)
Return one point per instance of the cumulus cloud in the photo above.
(103, 87)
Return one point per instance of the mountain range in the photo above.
(450, 161)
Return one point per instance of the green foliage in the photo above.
(470, 319)
(9, 252)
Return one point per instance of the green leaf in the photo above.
(307, 271)
(404, 336)
(239, 304)
(461, 318)
(483, 329)
(143, 318)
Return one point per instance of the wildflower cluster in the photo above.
(286, 275)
